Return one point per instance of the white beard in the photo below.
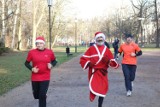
(100, 43)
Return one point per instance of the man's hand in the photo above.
(35, 69)
(133, 54)
(49, 66)
(90, 64)
(113, 63)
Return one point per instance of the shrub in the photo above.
(1, 52)
(4, 49)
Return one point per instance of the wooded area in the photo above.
(22, 20)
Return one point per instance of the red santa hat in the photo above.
(40, 39)
(99, 34)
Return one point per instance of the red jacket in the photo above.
(98, 81)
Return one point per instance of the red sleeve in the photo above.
(85, 59)
(29, 56)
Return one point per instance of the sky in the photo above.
(90, 8)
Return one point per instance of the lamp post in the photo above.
(75, 35)
(50, 28)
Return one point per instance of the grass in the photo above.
(13, 72)
(150, 49)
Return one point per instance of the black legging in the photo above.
(39, 91)
(100, 101)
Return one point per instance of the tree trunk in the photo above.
(56, 36)
(20, 37)
(20, 29)
(15, 25)
(2, 39)
(157, 26)
(35, 25)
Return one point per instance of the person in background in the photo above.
(43, 60)
(107, 44)
(98, 58)
(115, 46)
(130, 52)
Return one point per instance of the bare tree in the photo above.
(140, 10)
(15, 24)
(107, 27)
(2, 40)
(157, 24)
(36, 18)
(58, 19)
(23, 24)
(20, 27)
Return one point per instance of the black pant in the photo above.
(115, 52)
(100, 101)
(39, 91)
(129, 72)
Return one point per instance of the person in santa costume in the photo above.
(43, 60)
(98, 58)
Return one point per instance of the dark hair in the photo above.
(128, 35)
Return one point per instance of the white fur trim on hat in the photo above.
(41, 41)
(100, 35)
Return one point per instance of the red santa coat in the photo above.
(98, 82)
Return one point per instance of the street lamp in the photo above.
(75, 35)
(50, 28)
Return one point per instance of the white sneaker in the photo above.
(129, 93)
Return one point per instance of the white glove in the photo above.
(35, 69)
(49, 66)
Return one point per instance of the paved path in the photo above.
(69, 87)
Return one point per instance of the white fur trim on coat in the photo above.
(90, 87)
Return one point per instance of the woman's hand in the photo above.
(49, 66)
(35, 69)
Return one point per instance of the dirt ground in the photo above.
(69, 87)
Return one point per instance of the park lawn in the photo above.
(150, 49)
(13, 72)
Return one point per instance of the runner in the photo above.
(129, 62)
(42, 60)
(98, 58)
